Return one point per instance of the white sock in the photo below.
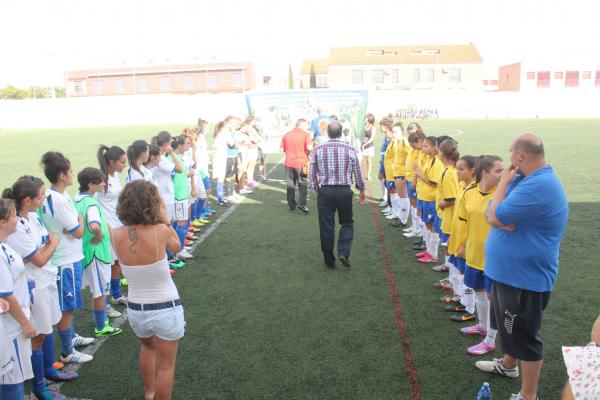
(395, 200)
(383, 189)
(483, 308)
(425, 233)
(404, 209)
(417, 224)
(423, 227)
(435, 244)
(454, 275)
(468, 300)
(490, 338)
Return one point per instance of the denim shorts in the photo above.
(167, 324)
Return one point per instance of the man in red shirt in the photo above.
(296, 146)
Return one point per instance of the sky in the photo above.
(41, 39)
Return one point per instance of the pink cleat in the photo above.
(428, 259)
(422, 254)
(481, 348)
(474, 330)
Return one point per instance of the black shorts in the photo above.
(231, 168)
(517, 315)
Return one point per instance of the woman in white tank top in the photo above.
(155, 310)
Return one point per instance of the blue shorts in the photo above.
(381, 169)
(459, 263)
(444, 237)
(427, 209)
(206, 181)
(476, 279)
(437, 225)
(69, 282)
(390, 185)
(412, 194)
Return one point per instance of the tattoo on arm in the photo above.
(133, 238)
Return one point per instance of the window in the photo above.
(165, 83)
(357, 77)
(378, 76)
(531, 75)
(142, 85)
(321, 81)
(237, 80)
(119, 86)
(78, 86)
(416, 75)
(189, 82)
(430, 75)
(572, 79)
(586, 74)
(597, 78)
(97, 85)
(394, 76)
(454, 75)
(543, 79)
(558, 75)
(212, 81)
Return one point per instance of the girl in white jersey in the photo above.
(36, 246)
(112, 161)
(137, 155)
(17, 329)
(219, 161)
(60, 217)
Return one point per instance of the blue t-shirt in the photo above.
(232, 151)
(314, 125)
(527, 258)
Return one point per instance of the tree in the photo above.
(313, 77)
(290, 78)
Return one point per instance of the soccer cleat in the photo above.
(390, 216)
(440, 268)
(455, 307)
(197, 223)
(57, 365)
(203, 220)
(81, 341)
(177, 264)
(386, 210)
(108, 330)
(124, 282)
(420, 247)
(410, 234)
(443, 284)
(450, 298)
(495, 366)
(519, 396)
(422, 254)
(61, 377)
(121, 301)
(112, 313)
(409, 229)
(171, 272)
(397, 223)
(383, 203)
(48, 394)
(184, 255)
(191, 236)
(193, 229)
(428, 259)
(76, 357)
(481, 348)
(473, 330)
(187, 243)
(463, 317)
(245, 191)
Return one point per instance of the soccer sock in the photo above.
(219, 191)
(181, 232)
(200, 208)
(490, 338)
(16, 391)
(115, 288)
(193, 211)
(435, 244)
(483, 308)
(100, 318)
(417, 223)
(66, 340)
(404, 209)
(395, 200)
(37, 365)
(383, 189)
(426, 235)
(468, 300)
(48, 350)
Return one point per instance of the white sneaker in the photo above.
(184, 255)
(121, 301)
(519, 396)
(187, 248)
(76, 357)
(81, 341)
(383, 203)
(410, 234)
(112, 313)
(245, 191)
(386, 210)
(495, 367)
(390, 216)
(409, 229)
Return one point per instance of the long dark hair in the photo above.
(25, 186)
(484, 163)
(105, 155)
(134, 150)
(7, 206)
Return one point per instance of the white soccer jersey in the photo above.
(13, 281)
(163, 174)
(143, 174)
(108, 200)
(59, 215)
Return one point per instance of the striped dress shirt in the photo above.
(335, 163)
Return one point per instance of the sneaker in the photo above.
(390, 216)
(410, 234)
(473, 330)
(450, 298)
(112, 313)
(61, 377)
(440, 268)
(383, 203)
(187, 248)
(76, 357)
(251, 185)
(481, 348)
(177, 264)
(495, 367)
(397, 223)
(422, 254)
(193, 229)
(81, 341)
(191, 237)
(245, 191)
(428, 259)
(48, 394)
(386, 210)
(108, 330)
(519, 396)
(210, 211)
(463, 317)
(409, 229)
(187, 243)
(124, 282)
(121, 301)
(184, 255)
(455, 307)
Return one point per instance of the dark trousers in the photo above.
(330, 200)
(295, 178)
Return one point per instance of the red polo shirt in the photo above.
(295, 146)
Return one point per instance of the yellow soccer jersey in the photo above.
(458, 234)
(475, 204)
(388, 160)
(447, 189)
(422, 159)
(433, 172)
(412, 157)
(400, 156)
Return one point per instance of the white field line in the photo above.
(117, 322)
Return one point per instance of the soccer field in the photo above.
(266, 320)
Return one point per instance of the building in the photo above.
(399, 67)
(533, 76)
(176, 79)
(321, 69)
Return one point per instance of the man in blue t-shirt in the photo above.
(528, 216)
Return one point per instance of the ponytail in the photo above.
(7, 207)
(105, 155)
(134, 151)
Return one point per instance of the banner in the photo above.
(277, 112)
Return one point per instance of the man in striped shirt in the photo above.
(332, 167)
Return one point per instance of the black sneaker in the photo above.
(304, 209)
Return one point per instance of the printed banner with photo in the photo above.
(277, 112)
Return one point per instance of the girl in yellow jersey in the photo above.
(386, 126)
(400, 202)
(428, 179)
(415, 141)
(472, 213)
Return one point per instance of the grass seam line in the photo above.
(411, 370)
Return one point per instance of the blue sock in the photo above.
(115, 288)
(100, 318)
(200, 208)
(16, 391)
(219, 191)
(181, 232)
(37, 364)
(48, 350)
(193, 215)
(66, 340)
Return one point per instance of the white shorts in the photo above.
(181, 210)
(45, 310)
(6, 363)
(368, 152)
(167, 324)
(97, 277)
(200, 188)
(252, 154)
(19, 350)
(218, 171)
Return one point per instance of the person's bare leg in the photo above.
(509, 362)
(530, 378)
(166, 355)
(148, 367)
(567, 393)
(369, 165)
